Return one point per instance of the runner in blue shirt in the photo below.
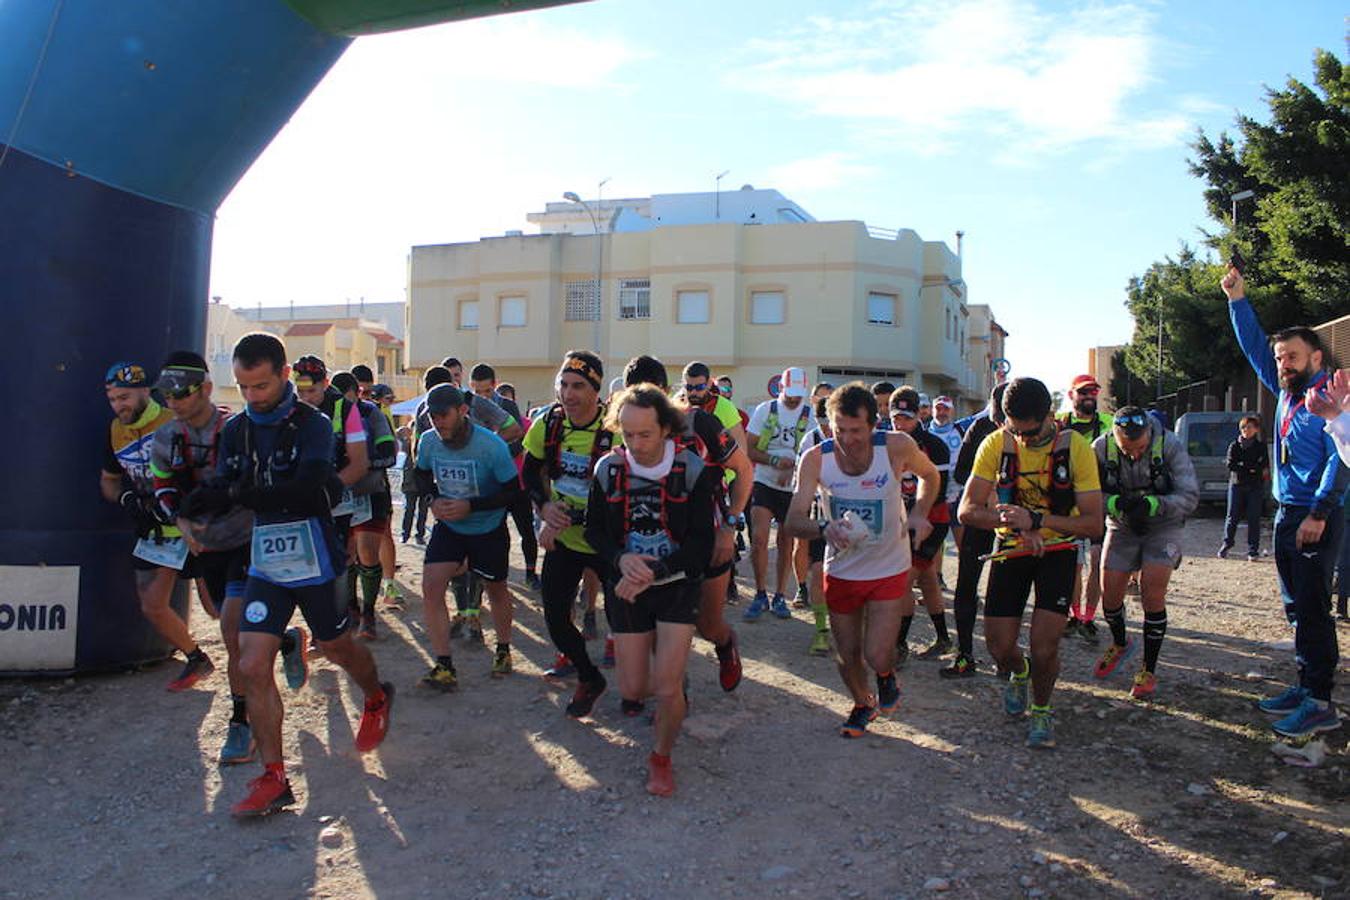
(469, 473)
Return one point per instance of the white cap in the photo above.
(794, 382)
(923, 400)
(616, 384)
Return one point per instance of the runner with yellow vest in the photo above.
(1048, 493)
(160, 556)
(561, 449)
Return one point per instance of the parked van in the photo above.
(1206, 436)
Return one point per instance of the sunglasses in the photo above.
(179, 384)
(1029, 433)
(181, 393)
(695, 388)
(1088, 391)
(1136, 419)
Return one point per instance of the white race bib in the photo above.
(284, 552)
(868, 512)
(344, 505)
(457, 479)
(171, 553)
(361, 511)
(356, 507)
(657, 545)
(575, 479)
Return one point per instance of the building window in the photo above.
(691, 307)
(468, 315)
(766, 308)
(512, 312)
(582, 300)
(635, 298)
(947, 318)
(880, 308)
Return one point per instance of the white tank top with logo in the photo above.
(874, 498)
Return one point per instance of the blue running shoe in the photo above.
(1310, 718)
(1015, 694)
(780, 607)
(1041, 735)
(1285, 703)
(757, 607)
(238, 745)
(855, 726)
(295, 663)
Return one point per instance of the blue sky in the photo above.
(1053, 134)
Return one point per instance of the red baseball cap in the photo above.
(1084, 381)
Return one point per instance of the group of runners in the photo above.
(641, 494)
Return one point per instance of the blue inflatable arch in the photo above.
(123, 125)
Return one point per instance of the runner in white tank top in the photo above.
(858, 472)
(875, 499)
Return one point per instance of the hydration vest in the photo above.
(1060, 494)
(771, 428)
(382, 450)
(555, 422)
(1096, 426)
(180, 459)
(675, 490)
(1159, 476)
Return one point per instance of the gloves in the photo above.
(145, 521)
(1136, 511)
(167, 505)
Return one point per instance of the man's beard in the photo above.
(1086, 406)
(1297, 382)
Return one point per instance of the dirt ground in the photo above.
(111, 788)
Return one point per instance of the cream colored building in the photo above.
(747, 282)
(985, 345)
(224, 328)
(1099, 367)
(341, 342)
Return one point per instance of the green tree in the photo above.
(1294, 234)
(1126, 387)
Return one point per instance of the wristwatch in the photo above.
(735, 521)
(1317, 514)
(1036, 519)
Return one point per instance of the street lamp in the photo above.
(599, 251)
(717, 194)
(1240, 195)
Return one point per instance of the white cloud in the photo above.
(929, 73)
(829, 170)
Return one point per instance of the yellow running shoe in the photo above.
(501, 662)
(441, 678)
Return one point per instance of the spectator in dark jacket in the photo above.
(1249, 474)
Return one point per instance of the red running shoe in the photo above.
(660, 775)
(268, 793)
(729, 663)
(197, 667)
(375, 720)
(562, 669)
